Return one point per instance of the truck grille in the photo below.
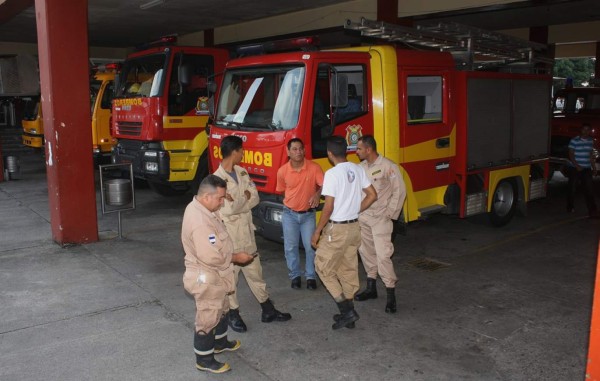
(260, 181)
(129, 128)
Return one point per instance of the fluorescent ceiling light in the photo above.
(151, 4)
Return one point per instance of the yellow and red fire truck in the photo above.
(101, 93)
(467, 142)
(160, 112)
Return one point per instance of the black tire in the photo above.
(504, 203)
(201, 172)
(166, 189)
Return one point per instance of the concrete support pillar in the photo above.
(64, 79)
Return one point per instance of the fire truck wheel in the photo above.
(165, 189)
(504, 203)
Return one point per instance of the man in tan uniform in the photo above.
(376, 248)
(337, 235)
(240, 198)
(208, 273)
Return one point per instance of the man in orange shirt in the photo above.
(301, 182)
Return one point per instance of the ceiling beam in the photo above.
(11, 8)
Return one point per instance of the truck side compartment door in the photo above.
(428, 131)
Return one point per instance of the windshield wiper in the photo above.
(224, 123)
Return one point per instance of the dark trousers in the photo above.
(585, 178)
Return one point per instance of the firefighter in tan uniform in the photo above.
(337, 235)
(208, 273)
(241, 197)
(376, 248)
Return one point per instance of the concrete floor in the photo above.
(512, 303)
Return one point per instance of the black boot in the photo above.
(269, 313)
(235, 321)
(205, 356)
(347, 315)
(221, 342)
(369, 293)
(337, 317)
(390, 306)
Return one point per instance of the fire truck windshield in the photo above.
(142, 76)
(265, 98)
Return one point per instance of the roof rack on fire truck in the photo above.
(472, 48)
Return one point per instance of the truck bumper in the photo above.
(267, 216)
(31, 140)
(149, 161)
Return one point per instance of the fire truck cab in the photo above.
(101, 93)
(160, 110)
(467, 142)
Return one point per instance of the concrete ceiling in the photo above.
(121, 23)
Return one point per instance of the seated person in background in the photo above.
(353, 108)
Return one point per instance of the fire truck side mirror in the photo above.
(184, 74)
(339, 90)
(211, 87)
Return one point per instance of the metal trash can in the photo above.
(117, 192)
(11, 166)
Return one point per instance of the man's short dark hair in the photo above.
(229, 144)
(210, 184)
(337, 146)
(295, 140)
(369, 141)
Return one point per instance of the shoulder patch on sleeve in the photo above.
(212, 239)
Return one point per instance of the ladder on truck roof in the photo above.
(472, 48)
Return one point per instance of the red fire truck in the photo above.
(467, 142)
(160, 111)
(572, 108)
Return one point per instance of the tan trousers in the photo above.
(336, 261)
(253, 274)
(211, 300)
(376, 249)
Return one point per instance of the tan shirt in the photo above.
(237, 214)
(207, 245)
(391, 190)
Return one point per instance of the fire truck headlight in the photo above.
(274, 215)
(151, 167)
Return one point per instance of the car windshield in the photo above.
(261, 98)
(142, 76)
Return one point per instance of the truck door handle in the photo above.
(442, 143)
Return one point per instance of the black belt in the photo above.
(304, 211)
(344, 222)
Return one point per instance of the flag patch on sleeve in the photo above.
(212, 239)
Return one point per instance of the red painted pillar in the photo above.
(209, 38)
(593, 362)
(387, 10)
(64, 78)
